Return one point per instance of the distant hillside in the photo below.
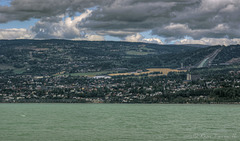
(174, 60)
(53, 56)
(49, 57)
(229, 54)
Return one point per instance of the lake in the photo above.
(119, 122)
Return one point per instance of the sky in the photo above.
(209, 22)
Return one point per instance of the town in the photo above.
(176, 87)
(53, 71)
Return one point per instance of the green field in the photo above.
(90, 74)
(138, 53)
(5, 67)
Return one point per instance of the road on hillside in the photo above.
(207, 61)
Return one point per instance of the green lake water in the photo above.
(119, 122)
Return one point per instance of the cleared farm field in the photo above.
(151, 71)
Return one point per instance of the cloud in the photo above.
(15, 33)
(134, 38)
(179, 31)
(59, 27)
(172, 19)
(27, 9)
(94, 38)
(134, 16)
(66, 28)
(126, 19)
(210, 41)
(153, 40)
(209, 18)
(90, 37)
(139, 38)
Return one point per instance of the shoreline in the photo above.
(167, 103)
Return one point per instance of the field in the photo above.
(141, 51)
(6, 67)
(150, 71)
(138, 53)
(90, 74)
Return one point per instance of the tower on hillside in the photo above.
(189, 77)
(30, 55)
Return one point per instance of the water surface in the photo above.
(118, 122)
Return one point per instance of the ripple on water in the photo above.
(119, 122)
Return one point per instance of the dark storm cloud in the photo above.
(136, 15)
(172, 19)
(26, 9)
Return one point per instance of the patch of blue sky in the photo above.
(111, 38)
(148, 34)
(18, 24)
(188, 37)
(5, 2)
(178, 40)
(93, 8)
(76, 15)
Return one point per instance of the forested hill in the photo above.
(98, 47)
(48, 57)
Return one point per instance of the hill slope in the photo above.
(48, 57)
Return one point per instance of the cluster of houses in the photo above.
(99, 89)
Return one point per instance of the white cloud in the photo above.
(139, 38)
(90, 37)
(63, 29)
(206, 21)
(134, 38)
(94, 38)
(152, 40)
(210, 41)
(15, 33)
